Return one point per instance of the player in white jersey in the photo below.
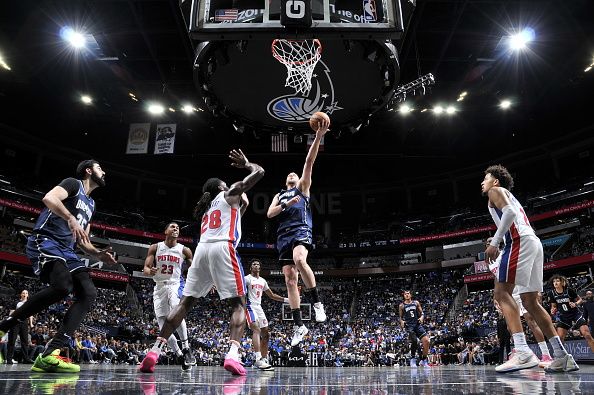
(163, 263)
(519, 264)
(545, 358)
(256, 319)
(216, 262)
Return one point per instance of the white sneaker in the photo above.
(562, 364)
(298, 334)
(319, 312)
(517, 361)
(263, 364)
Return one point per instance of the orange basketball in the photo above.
(316, 118)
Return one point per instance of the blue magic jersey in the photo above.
(411, 313)
(55, 227)
(296, 216)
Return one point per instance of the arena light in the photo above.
(75, 39)
(86, 99)
(188, 109)
(424, 109)
(171, 109)
(438, 110)
(505, 104)
(451, 110)
(405, 109)
(585, 70)
(520, 40)
(3, 64)
(156, 109)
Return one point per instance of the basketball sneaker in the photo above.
(299, 333)
(562, 364)
(517, 361)
(234, 385)
(319, 312)
(188, 359)
(424, 363)
(545, 361)
(263, 364)
(233, 366)
(54, 363)
(148, 363)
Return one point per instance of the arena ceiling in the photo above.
(142, 48)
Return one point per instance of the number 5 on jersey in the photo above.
(212, 222)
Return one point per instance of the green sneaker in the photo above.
(54, 363)
(43, 384)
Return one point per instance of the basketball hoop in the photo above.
(300, 57)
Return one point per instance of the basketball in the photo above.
(316, 118)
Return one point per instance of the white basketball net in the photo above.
(300, 57)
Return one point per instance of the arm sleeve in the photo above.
(71, 185)
(507, 218)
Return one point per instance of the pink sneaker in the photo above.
(149, 362)
(234, 367)
(545, 361)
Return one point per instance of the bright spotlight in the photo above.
(463, 94)
(86, 99)
(156, 109)
(3, 64)
(505, 104)
(451, 110)
(585, 70)
(404, 109)
(187, 108)
(438, 109)
(76, 39)
(519, 40)
(171, 109)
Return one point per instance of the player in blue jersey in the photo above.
(63, 224)
(411, 319)
(566, 301)
(294, 236)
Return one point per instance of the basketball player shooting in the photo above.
(163, 263)
(294, 237)
(216, 262)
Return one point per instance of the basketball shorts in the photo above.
(215, 265)
(572, 321)
(416, 329)
(254, 313)
(165, 297)
(287, 241)
(41, 249)
(520, 263)
(518, 300)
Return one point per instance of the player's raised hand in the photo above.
(323, 126)
(106, 256)
(238, 158)
(78, 233)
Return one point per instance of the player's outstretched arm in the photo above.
(149, 262)
(305, 180)
(105, 255)
(276, 297)
(239, 160)
(401, 312)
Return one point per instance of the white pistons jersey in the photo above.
(256, 286)
(221, 222)
(168, 262)
(520, 227)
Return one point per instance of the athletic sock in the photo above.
(520, 342)
(558, 349)
(258, 356)
(57, 342)
(185, 344)
(158, 346)
(297, 316)
(233, 350)
(315, 295)
(544, 349)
